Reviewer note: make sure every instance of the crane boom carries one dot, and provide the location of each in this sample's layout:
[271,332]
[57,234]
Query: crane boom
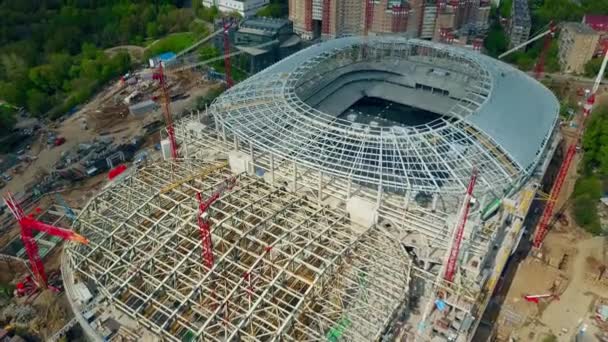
[543,225]
[28,225]
[526,43]
[464,213]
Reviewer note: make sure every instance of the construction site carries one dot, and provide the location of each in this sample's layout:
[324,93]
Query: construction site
[288,210]
[362,189]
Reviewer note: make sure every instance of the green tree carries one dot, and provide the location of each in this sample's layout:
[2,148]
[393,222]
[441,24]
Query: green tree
[13,93]
[505,8]
[7,119]
[37,101]
[496,42]
[593,67]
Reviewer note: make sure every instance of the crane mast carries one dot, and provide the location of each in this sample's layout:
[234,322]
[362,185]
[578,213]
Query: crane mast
[227,64]
[203,220]
[543,225]
[160,77]
[28,225]
[448,269]
[540,65]
[464,213]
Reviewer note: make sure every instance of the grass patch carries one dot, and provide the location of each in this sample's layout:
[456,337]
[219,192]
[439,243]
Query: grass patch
[174,42]
[587,193]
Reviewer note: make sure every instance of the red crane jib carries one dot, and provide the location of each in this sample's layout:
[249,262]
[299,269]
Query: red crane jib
[451,265]
[160,76]
[28,225]
[543,226]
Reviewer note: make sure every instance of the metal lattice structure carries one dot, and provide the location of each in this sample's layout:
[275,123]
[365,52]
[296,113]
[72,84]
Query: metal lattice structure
[483,124]
[310,268]
[292,261]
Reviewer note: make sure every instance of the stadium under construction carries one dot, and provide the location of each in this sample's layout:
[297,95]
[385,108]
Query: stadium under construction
[338,178]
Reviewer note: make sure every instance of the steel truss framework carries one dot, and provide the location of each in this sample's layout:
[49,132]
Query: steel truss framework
[268,111]
[286,267]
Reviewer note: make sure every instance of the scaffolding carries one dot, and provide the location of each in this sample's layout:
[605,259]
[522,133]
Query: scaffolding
[285,266]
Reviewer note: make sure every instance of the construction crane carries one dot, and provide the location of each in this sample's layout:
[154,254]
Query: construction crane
[204,224]
[543,225]
[227,65]
[540,64]
[448,269]
[462,221]
[160,77]
[28,225]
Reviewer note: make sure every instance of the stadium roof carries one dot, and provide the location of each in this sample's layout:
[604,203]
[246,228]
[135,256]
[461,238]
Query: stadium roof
[501,124]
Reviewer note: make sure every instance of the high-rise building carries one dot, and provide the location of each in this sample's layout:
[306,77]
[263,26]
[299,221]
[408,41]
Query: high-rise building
[519,27]
[427,19]
[335,18]
[577,43]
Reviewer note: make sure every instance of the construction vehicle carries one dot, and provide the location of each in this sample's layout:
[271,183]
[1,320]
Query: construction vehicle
[28,225]
[536,298]
[543,225]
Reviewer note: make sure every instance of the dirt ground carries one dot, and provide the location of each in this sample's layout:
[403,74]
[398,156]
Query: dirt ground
[576,294]
[569,266]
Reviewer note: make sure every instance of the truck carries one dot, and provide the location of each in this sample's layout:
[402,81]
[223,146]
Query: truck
[59,141]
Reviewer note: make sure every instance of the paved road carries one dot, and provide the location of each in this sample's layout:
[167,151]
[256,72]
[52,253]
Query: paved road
[567,77]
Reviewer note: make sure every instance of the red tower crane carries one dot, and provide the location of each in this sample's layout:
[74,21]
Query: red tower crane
[203,219]
[28,225]
[160,77]
[543,225]
[450,269]
[540,64]
[227,65]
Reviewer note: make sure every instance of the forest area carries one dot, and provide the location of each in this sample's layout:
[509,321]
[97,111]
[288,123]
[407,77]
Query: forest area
[592,183]
[542,12]
[51,51]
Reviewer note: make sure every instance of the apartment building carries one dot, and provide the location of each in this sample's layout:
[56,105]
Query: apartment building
[246,8]
[426,19]
[519,27]
[335,18]
[577,44]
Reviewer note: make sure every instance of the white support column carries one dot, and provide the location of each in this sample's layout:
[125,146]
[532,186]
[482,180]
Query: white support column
[295,176]
[272,169]
[252,158]
[320,185]
[349,187]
